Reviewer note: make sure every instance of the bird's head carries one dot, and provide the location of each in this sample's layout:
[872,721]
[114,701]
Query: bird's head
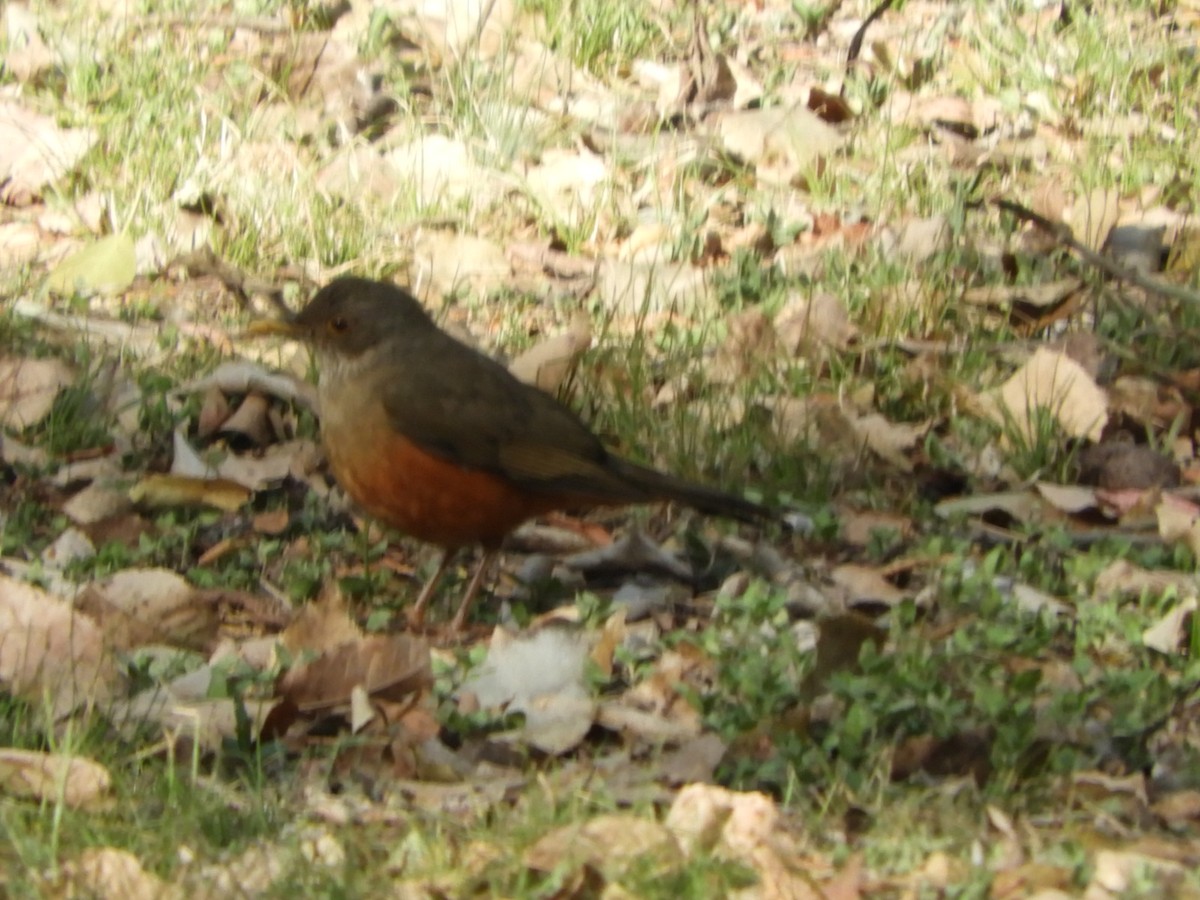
[350,316]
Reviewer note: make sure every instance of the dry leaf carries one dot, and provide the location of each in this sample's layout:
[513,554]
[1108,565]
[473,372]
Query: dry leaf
[106,873]
[1169,634]
[49,651]
[35,153]
[549,363]
[388,667]
[149,606]
[1055,383]
[609,844]
[28,389]
[782,143]
[806,323]
[46,777]
[166,491]
[542,676]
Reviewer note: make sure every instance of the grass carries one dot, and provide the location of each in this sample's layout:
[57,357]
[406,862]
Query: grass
[1016,704]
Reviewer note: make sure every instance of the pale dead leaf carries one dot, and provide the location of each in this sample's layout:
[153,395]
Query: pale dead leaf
[360,171]
[35,153]
[1024,506]
[448,262]
[49,651]
[609,844]
[447,28]
[31,774]
[806,323]
[917,239]
[1168,635]
[185,715]
[98,501]
[1178,808]
[627,287]
[1091,218]
[1044,295]
[696,760]
[1178,521]
[28,389]
[744,827]
[242,377]
[542,676]
[26,54]
[1069,498]
[1055,383]
[748,348]
[782,143]
[865,584]
[1118,871]
[1123,578]
[107,873]
[548,364]
[439,170]
[250,422]
[858,526]
[567,184]
[890,441]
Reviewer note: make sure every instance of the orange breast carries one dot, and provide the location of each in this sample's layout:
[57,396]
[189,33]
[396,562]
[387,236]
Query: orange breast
[427,497]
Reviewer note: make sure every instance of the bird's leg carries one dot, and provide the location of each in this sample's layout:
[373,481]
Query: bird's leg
[460,617]
[416,615]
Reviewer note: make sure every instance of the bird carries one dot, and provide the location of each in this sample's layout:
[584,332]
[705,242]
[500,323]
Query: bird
[441,442]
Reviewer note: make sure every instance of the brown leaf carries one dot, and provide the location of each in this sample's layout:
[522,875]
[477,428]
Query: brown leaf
[107,873]
[46,777]
[50,651]
[144,606]
[390,667]
[28,389]
[35,153]
[1055,383]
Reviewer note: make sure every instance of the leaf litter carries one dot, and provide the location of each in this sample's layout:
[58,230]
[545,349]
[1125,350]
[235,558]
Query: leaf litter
[597,215]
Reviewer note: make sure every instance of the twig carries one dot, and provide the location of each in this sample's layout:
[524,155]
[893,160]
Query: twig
[1062,233]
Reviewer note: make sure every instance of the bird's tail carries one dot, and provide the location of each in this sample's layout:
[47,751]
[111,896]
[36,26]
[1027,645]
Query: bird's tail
[713,501]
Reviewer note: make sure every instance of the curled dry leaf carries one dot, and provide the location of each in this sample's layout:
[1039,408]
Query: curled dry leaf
[28,389]
[46,777]
[167,491]
[1168,634]
[242,377]
[50,651]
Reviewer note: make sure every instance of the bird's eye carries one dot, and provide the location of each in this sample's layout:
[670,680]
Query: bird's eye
[338,324]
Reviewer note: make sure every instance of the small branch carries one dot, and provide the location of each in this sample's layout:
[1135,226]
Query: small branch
[1061,233]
